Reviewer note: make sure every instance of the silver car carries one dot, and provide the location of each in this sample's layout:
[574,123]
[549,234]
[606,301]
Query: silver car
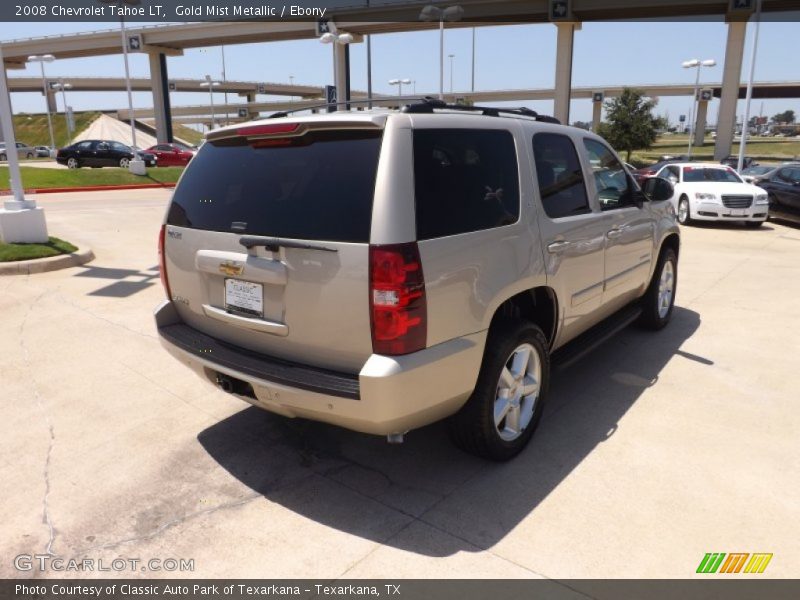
[23,151]
[384,270]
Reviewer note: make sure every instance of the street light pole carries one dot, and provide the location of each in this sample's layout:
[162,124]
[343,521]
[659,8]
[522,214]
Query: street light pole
[434,13]
[63,87]
[749,96]
[210,84]
[695,64]
[41,60]
[451,57]
[399,83]
[473,59]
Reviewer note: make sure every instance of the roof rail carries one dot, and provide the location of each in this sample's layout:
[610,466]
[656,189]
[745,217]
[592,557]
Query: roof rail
[426,104]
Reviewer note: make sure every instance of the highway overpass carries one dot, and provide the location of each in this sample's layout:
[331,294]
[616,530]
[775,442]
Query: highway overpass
[163,41]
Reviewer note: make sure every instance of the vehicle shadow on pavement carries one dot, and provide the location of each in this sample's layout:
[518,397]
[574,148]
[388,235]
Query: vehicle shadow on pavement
[426,496]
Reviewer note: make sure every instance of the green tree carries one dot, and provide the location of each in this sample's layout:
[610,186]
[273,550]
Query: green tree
[630,122]
[786,116]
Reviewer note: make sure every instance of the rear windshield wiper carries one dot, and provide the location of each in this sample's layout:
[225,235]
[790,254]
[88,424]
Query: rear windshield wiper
[273,244]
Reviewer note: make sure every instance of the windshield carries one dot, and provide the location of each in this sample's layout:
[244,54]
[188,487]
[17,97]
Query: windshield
[318,186]
[695,174]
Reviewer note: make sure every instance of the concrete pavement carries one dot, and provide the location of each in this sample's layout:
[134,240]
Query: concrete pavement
[653,450]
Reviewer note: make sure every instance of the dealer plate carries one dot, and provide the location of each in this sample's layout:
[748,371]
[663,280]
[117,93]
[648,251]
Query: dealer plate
[244,297]
[738,213]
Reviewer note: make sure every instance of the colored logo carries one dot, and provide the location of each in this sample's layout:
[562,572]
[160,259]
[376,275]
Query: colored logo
[735,562]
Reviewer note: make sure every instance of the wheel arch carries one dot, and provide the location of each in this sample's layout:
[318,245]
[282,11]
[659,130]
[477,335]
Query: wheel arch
[538,305]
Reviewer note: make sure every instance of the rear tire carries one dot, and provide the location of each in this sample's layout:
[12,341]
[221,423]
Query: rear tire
[684,211]
[515,361]
[659,299]
[29,156]
[3,158]
[124,163]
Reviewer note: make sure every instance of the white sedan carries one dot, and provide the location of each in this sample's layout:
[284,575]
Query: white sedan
[713,192]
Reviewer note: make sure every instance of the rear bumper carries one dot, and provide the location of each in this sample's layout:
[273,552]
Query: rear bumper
[391,394]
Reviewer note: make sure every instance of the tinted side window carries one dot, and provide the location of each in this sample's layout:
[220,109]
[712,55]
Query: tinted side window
[610,178]
[464,180]
[85,145]
[558,170]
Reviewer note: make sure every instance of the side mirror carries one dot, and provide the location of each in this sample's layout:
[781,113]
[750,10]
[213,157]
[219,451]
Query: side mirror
[657,189]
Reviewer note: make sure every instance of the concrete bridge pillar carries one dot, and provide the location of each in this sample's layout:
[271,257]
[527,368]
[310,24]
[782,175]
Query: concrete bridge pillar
[731,76]
[161,105]
[52,106]
[563,84]
[597,109]
[700,122]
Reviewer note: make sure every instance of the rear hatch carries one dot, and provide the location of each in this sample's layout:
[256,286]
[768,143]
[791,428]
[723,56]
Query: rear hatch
[267,239]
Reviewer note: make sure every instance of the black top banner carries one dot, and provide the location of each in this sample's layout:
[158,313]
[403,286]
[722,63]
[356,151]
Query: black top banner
[474,11]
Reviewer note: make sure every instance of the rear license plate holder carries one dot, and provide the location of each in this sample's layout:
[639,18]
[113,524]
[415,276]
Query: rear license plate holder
[244,297]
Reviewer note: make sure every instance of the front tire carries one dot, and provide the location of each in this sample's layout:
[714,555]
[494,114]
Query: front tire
[29,156]
[684,212]
[73,163]
[659,299]
[502,413]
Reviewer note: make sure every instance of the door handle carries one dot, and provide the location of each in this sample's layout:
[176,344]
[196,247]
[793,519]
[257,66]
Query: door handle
[613,233]
[556,247]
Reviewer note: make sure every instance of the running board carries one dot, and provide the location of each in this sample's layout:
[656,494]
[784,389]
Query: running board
[592,338]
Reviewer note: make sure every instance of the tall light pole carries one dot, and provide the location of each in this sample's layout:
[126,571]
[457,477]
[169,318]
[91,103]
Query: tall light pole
[338,42]
[63,87]
[210,84]
[451,57]
[41,59]
[748,97]
[399,83]
[473,59]
[434,13]
[136,165]
[695,64]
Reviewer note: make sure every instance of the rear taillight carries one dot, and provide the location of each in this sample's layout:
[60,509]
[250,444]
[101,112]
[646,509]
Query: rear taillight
[397,299]
[162,261]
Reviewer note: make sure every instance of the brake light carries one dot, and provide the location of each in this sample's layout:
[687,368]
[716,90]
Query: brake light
[162,261]
[397,299]
[268,129]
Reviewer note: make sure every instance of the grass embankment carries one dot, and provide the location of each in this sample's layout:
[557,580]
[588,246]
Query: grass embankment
[15,252]
[32,129]
[764,149]
[36,178]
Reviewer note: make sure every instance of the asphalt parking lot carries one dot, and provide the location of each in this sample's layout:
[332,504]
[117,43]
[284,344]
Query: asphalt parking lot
[654,450]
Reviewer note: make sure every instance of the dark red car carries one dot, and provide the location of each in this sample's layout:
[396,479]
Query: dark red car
[171,155]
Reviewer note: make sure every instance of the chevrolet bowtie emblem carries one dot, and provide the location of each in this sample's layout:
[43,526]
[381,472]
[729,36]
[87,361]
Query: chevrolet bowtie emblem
[231,268]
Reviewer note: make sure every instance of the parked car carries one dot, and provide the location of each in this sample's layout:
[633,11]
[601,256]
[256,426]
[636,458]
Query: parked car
[42,151]
[171,155]
[711,192]
[100,153]
[650,171]
[750,174]
[733,162]
[23,151]
[783,188]
[383,271]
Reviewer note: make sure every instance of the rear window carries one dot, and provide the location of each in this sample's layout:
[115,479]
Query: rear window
[319,187]
[464,180]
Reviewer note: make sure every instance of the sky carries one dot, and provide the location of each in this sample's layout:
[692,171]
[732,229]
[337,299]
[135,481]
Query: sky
[510,56]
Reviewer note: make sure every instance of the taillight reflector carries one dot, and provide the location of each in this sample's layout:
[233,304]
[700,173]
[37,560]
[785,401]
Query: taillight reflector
[397,299]
[162,261]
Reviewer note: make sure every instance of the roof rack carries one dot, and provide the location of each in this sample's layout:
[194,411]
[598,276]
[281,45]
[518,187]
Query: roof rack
[426,104]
